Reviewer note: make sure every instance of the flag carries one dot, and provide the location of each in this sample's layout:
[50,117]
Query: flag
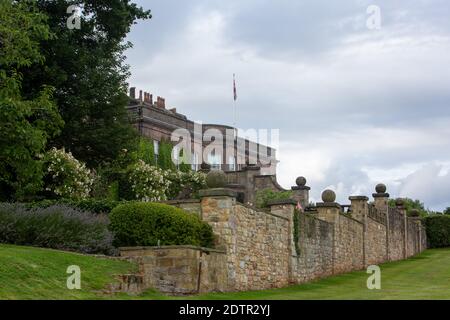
[234,87]
[299,206]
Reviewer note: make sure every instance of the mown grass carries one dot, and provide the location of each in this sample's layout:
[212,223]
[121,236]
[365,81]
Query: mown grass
[33,273]
[424,277]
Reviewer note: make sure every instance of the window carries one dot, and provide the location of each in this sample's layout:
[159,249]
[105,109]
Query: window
[231,163]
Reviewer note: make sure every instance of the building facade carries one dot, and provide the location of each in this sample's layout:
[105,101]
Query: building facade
[219,146]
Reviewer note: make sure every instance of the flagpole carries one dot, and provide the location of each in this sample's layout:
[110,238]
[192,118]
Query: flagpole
[235,104]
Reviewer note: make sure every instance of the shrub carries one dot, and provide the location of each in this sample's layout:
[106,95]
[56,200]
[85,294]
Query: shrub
[187,183]
[57,227]
[165,161]
[150,224]
[89,205]
[263,197]
[438,230]
[66,177]
[146,151]
[148,183]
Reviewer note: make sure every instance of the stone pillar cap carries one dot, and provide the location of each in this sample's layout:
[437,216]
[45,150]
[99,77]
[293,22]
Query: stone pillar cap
[282,202]
[328,205]
[217,192]
[381,195]
[300,188]
[356,198]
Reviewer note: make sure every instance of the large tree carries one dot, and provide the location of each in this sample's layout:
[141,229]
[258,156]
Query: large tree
[86,66]
[26,123]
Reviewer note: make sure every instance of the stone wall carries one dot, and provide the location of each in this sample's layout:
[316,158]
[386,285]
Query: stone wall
[413,241]
[249,181]
[396,235]
[193,206]
[255,249]
[180,270]
[348,245]
[315,246]
[256,243]
[375,242]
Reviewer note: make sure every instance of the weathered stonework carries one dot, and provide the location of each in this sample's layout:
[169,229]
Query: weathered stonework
[256,243]
[180,270]
[315,243]
[255,249]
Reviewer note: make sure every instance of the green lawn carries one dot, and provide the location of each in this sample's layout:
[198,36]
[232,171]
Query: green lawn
[33,273]
[30,273]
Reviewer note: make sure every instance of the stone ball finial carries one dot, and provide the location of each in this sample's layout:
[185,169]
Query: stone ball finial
[301,181]
[328,196]
[414,213]
[399,202]
[380,188]
[216,179]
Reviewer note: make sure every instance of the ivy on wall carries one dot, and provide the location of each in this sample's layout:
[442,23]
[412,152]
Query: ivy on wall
[296,230]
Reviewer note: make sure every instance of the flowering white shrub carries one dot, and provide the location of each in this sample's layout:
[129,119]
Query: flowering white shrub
[149,183]
[194,180]
[152,184]
[185,181]
[66,176]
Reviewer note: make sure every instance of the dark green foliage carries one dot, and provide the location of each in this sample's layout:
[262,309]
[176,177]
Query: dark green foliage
[146,151]
[56,227]
[114,179]
[263,197]
[89,205]
[447,211]
[410,205]
[28,121]
[165,156]
[150,224]
[438,230]
[87,69]
[185,162]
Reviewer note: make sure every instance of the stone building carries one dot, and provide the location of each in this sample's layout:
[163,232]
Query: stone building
[156,122]
[272,247]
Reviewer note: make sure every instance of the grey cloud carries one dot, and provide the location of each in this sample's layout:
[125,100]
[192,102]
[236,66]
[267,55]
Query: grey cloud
[312,70]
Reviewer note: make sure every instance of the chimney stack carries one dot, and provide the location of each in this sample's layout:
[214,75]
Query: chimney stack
[133,93]
[161,103]
[140,95]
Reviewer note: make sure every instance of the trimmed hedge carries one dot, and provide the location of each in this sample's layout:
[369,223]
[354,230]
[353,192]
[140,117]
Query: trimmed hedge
[438,231]
[152,224]
[56,227]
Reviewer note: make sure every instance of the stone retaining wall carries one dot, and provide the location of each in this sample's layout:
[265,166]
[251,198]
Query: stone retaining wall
[255,249]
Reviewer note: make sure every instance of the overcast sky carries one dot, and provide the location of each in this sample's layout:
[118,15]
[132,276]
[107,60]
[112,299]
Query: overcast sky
[355,106]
